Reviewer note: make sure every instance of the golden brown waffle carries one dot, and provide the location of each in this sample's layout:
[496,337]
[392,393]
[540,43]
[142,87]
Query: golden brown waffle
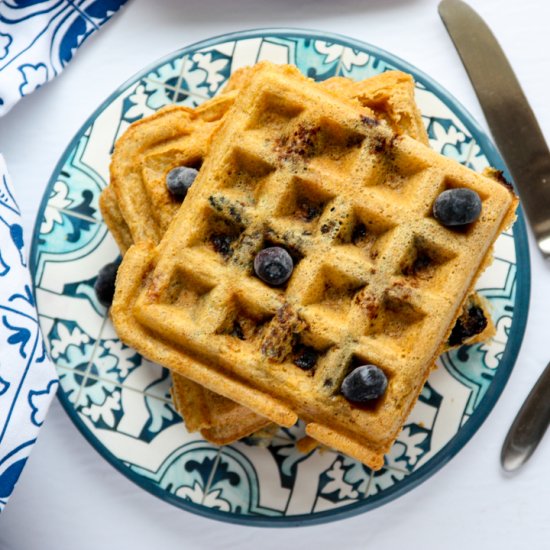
[294,165]
[390,94]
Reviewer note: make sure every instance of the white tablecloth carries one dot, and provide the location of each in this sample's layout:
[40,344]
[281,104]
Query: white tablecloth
[69,497]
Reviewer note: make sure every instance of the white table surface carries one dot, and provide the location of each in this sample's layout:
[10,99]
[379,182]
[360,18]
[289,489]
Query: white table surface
[69,497]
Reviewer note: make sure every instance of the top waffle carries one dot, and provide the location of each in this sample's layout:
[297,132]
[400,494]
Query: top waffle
[293,165]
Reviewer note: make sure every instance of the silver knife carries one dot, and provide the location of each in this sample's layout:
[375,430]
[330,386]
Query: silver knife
[525,152]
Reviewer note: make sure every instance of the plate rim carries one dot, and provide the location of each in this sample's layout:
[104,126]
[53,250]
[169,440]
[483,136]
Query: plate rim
[516,331]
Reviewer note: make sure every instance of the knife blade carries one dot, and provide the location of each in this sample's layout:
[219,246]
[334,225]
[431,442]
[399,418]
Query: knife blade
[510,118]
[525,152]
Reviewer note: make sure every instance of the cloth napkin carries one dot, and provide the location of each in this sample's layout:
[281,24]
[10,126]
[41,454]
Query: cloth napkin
[37,39]
[27,378]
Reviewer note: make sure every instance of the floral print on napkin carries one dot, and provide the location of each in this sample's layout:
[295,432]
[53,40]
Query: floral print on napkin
[39,37]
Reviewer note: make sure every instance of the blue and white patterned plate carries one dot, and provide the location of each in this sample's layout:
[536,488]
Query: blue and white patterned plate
[120,402]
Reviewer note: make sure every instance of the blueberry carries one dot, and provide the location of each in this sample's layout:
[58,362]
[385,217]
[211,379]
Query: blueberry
[306,357]
[458,206]
[179,180]
[273,265]
[222,244]
[468,325]
[105,283]
[364,384]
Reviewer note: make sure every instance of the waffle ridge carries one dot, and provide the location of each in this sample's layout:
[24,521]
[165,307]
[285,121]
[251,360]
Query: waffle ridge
[376,279]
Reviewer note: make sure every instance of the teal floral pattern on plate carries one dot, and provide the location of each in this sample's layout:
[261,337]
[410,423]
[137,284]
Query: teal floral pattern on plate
[121,402]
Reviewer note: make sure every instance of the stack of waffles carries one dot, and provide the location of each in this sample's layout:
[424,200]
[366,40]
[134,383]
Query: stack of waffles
[340,175]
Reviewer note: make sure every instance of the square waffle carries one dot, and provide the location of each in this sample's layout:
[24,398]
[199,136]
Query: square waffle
[293,165]
[390,95]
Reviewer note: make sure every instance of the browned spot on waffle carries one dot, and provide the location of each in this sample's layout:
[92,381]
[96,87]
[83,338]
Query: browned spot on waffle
[497,175]
[277,342]
[300,144]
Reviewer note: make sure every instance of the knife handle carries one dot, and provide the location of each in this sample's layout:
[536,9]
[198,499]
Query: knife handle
[529,425]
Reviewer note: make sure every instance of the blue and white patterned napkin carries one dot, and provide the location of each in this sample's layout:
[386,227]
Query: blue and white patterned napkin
[39,37]
[27,378]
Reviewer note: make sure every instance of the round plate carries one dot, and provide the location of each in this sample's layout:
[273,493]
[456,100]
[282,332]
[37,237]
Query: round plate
[121,402]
